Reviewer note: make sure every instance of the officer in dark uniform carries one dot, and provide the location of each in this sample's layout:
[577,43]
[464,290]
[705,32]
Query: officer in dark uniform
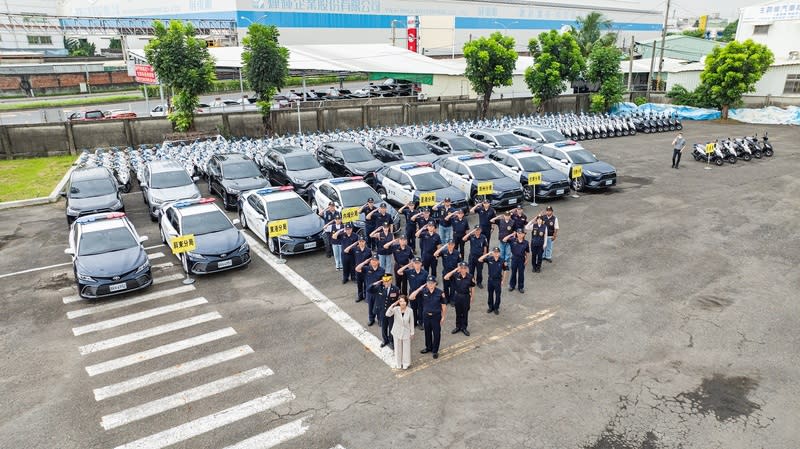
[505,227]
[478,246]
[519,217]
[485,213]
[463,294]
[382,236]
[538,242]
[408,211]
[429,242]
[328,217]
[520,248]
[443,211]
[385,294]
[348,239]
[369,221]
[373,272]
[450,259]
[498,268]
[460,225]
[361,254]
[379,217]
[416,276]
[434,309]
[402,254]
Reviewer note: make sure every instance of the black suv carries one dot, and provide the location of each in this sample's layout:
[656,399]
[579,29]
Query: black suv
[231,174]
[402,148]
[345,159]
[293,166]
[92,190]
[446,142]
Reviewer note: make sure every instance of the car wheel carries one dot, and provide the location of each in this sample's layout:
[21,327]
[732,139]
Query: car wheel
[272,246]
[527,193]
[225,204]
[382,193]
[242,220]
[577,184]
[153,218]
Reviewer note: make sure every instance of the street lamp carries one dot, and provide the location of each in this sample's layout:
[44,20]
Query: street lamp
[256,21]
[394,31]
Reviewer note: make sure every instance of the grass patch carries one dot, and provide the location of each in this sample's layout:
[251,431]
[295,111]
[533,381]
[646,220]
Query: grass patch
[70,102]
[21,179]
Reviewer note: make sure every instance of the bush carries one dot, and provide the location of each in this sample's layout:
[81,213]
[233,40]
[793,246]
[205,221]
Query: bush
[597,103]
[680,95]
[638,101]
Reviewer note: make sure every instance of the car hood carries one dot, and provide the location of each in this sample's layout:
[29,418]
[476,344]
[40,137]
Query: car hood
[502,184]
[450,192]
[423,158]
[599,167]
[551,175]
[310,175]
[176,193]
[93,203]
[243,184]
[305,225]
[364,167]
[111,264]
[226,241]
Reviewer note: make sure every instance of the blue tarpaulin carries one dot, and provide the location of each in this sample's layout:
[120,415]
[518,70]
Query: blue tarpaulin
[683,112]
[770,115]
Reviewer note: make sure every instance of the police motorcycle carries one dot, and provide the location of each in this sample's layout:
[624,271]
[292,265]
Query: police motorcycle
[766,147]
[752,144]
[731,156]
[743,149]
[699,154]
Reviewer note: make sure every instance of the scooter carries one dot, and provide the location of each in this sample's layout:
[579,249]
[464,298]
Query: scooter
[699,154]
[752,143]
[728,151]
[766,147]
[743,149]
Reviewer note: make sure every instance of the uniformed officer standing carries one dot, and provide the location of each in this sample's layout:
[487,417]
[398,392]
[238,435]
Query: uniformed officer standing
[402,254]
[416,276]
[385,295]
[520,248]
[497,268]
[382,236]
[463,294]
[485,213]
[421,219]
[460,225]
[336,245]
[434,311]
[478,246]
[378,217]
[538,241]
[450,259]
[443,211]
[519,217]
[552,232]
[505,227]
[347,239]
[361,254]
[327,216]
[373,272]
[410,230]
[369,221]
[429,242]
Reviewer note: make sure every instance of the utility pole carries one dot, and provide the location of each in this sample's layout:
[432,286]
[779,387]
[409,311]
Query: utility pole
[663,40]
[650,73]
[394,32]
[630,64]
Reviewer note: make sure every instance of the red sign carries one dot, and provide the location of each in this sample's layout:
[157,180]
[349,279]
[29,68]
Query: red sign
[411,30]
[145,74]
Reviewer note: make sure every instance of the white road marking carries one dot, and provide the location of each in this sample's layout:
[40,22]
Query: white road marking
[147,333]
[338,446]
[113,305]
[155,255]
[169,373]
[162,265]
[325,304]
[128,360]
[183,398]
[119,321]
[156,281]
[208,423]
[274,437]
[154,246]
[31,270]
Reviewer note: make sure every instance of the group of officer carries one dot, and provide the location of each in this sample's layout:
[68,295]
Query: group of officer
[386,267]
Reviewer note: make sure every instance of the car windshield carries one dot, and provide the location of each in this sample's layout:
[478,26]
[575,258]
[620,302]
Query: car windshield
[205,223]
[582,157]
[288,208]
[507,140]
[357,196]
[92,187]
[169,179]
[241,170]
[429,181]
[553,136]
[482,172]
[461,144]
[415,149]
[534,163]
[357,154]
[302,162]
[106,241]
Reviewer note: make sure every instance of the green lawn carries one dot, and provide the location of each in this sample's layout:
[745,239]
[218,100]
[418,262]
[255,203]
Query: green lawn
[31,178]
[66,102]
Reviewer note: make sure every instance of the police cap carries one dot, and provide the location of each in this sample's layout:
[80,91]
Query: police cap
[416,259]
[462,264]
[432,279]
[549,208]
[495,250]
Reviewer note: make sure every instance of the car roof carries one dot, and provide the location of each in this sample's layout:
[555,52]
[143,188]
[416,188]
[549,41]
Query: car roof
[445,134]
[401,139]
[282,195]
[415,170]
[195,209]
[471,162]
[348,185]
[566,148]
[491,131]
[164,165]
[83,174]
[535,128]
[288,150]
[343,145]
[231,157]
[101,225]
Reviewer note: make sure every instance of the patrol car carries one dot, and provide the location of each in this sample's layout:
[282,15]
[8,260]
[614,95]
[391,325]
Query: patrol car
[563,156]
[107,255]
[535,135]
[403,182]
[220,245]
[468,171]
[518,163]
[346,193]
[258,207]
[491,139]
[90,191]
[402,148]
[164,181]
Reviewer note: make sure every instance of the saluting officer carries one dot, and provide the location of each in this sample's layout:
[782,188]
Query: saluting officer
[416,276]
[519,258]
[429,242]
[373,272]
[463,294]
[379,216]
[478,246]
[505,227]
[450,259]
[336,245]
[327,216]
[347,239]
[382,236]
[497,268]
[410,210]
[443,211]
[460,225]
[402,254]
[369,221]
[552,231]
[434,311]
[485,213]
[519,217]
[538,242]
[361,254]
[385,295]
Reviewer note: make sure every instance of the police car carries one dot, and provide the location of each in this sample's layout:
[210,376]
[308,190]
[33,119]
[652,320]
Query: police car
[563,156]
[518,163]
[403,182]
[107,255]
[489,139]
[468,172]
[220,245]
[258,207]
[347,193]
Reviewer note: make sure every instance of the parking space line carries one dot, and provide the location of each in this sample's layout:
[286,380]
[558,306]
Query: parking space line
[183,398]
[156,281]
[153,247]
[274,437]
[162,265]
[119,321]
[169,373]
[338,446]
[157,255]
[129,302]
[338,315]
[149,354]
[208,423]
[31,270]
[147,333]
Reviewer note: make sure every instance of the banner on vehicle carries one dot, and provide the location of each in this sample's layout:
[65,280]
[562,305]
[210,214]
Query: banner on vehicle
[349,214]
[534,179]
[485,188]
[427,199]
[278,228]
[182,244]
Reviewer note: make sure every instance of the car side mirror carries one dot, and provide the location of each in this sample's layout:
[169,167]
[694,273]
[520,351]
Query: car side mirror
[492,144]
[407,187]
[465,177]
[143,238]
[69,251]
[195,178]
[63,194]
[564,161]
[540,140]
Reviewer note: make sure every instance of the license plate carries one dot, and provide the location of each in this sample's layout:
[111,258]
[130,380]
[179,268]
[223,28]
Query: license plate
[117,287]
[309,245]
[560,192]
[512,201]
[609,182]
[225,263]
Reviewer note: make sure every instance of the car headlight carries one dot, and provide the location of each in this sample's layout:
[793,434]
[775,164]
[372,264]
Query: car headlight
[144,267]
[285,238]
[590,173]
[232,190]
[244,247]
[195,255]
[117,205]
[86,278]
[301,182]
[156,201]
[71,211]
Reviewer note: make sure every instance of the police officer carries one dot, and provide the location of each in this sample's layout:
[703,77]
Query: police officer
[478,246]
[463,294]
[402,254]
[434,311]
[429,242]
[552,232]
[382,236]
[361,254]
[460,225]
[327,216]
[416,276]
[385,294]
[373,272]
[485,213]
[497,268]
[378,216]
[538,241]
[519,217]
[409,210]
[336,245]
[443,211]
[505,227]
[348,239]
[450,259]
[520,248]
[369,221]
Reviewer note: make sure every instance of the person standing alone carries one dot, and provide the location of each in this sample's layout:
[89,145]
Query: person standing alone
[677,148]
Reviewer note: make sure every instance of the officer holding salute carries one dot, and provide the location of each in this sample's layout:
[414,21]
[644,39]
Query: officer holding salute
[460,225]
[434,310]
[463,294]
[369,222]
[478,246]
[410,210]
[519,217]
[373,272]
[519,258]
[382,236]
[505,227]
[429,242]
[327,216]
[402,254]
[416,279]
[538,241]
[379,217]
[485,213]
[497,276]
[450,259]
[443,211]
[361,254]
[348,239]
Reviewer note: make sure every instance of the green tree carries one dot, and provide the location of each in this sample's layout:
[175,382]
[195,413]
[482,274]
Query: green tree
[604,69]
[79,47]
[557,59]
[266,65]
[183,64]
[589,32]
[729,33]
[733,70]
[490,63]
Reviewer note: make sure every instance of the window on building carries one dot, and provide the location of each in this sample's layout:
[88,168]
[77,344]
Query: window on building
[40,40]
[760,29]
[792,84]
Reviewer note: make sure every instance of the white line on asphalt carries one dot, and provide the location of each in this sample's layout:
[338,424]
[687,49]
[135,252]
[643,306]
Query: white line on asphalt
[157,255]
[128,360]
[208,423]
[325,304]
[154,246]
[156,280]
[162,265]
[119,321]
[183,398]
[170,373]
[129,302]
[274,437]
[31,270]
[338,446]
[147,333]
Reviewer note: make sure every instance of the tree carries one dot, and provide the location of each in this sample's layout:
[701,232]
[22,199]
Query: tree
[729,33]
[266,65]
[490,63]
[732,71]
[557,59]
[589,32]
[79,47]
[182,63]
[604,69]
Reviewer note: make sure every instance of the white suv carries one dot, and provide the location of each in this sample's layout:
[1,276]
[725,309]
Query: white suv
[466,172]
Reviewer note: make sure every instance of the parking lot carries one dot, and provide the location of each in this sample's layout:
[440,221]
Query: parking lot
[667,320]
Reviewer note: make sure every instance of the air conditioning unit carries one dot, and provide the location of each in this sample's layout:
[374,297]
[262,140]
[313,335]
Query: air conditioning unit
[794,55]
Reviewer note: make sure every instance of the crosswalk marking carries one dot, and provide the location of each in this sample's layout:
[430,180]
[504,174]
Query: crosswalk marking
[155,255]
[129,302]
[184,397]
[128,360]
[274,437]
[207,423]
[159,266]
[147,333]
[119,321]
[156,281]
[169,373]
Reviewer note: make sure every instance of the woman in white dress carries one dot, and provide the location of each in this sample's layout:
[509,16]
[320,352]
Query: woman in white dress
[402,330]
